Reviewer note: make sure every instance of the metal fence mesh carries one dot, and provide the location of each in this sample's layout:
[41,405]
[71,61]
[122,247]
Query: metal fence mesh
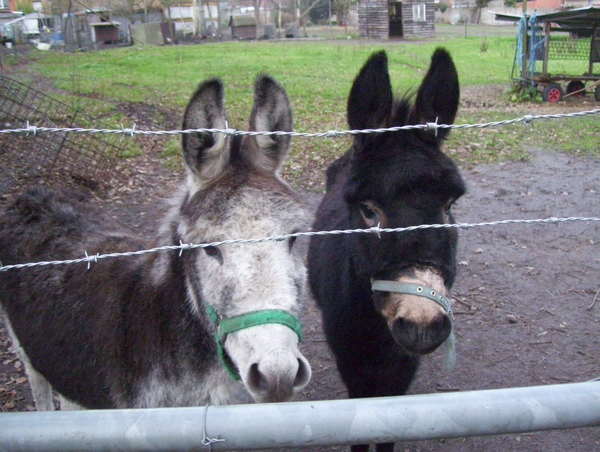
[569,48]
[62,157]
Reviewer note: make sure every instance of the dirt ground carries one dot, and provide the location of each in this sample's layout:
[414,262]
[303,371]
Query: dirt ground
[526,299]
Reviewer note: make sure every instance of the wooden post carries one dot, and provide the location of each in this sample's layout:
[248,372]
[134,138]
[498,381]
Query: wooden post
[546,48]
[594,39]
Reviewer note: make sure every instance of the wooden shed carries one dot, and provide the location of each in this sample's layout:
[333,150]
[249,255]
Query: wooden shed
[384,19]
[243,27]
[105,33]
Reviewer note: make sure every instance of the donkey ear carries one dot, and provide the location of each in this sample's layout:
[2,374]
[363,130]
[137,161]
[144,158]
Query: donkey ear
[271,113]
[206,154]
[370,99]
[438,96]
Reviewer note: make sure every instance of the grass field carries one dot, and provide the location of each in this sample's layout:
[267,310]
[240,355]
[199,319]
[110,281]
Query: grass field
[317,75]
[314,72]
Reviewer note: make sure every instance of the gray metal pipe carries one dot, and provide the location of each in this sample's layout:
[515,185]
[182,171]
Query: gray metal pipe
[307,424]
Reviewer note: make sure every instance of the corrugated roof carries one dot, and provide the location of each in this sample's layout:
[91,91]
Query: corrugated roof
[586,16]
[579,16]
[28,17]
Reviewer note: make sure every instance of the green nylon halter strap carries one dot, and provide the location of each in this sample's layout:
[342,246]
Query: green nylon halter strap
[412,289]
[256,318]
[248,320]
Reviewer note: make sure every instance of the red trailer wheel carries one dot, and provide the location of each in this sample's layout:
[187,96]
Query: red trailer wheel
[552,93]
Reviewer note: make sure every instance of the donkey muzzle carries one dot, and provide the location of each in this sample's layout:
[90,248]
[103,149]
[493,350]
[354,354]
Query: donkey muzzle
[416,324]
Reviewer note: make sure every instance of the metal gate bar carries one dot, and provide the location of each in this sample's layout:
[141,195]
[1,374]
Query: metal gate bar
[307,424]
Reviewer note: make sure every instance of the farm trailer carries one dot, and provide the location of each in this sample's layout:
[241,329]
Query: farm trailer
[571,35]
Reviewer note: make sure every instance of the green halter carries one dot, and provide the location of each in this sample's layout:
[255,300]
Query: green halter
[243,321]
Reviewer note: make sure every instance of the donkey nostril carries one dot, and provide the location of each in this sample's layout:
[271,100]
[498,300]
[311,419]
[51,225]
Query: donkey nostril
[303,374]
[280,385]
[257,380]
[403,331]
[421,339]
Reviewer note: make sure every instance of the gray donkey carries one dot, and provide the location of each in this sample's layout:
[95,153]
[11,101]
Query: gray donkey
[167,328]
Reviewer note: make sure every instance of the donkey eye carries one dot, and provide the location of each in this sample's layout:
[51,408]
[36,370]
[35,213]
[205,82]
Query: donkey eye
[291,242]
[214,252]
[371,213]
[367,212]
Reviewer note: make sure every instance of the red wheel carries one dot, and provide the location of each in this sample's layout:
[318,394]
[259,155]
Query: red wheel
[552,93]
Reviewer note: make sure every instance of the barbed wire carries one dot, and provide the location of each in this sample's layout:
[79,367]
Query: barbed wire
[374,230]
[32,130]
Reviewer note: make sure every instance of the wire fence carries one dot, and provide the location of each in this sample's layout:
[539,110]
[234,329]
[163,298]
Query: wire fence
[375,230]
[86,159]
[32,130]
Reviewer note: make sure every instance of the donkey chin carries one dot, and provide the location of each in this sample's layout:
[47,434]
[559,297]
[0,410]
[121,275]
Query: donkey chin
[269,362]
[418,325]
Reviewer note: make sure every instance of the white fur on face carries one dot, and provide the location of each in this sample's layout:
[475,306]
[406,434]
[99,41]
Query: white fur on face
[252,277]
[271,366]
